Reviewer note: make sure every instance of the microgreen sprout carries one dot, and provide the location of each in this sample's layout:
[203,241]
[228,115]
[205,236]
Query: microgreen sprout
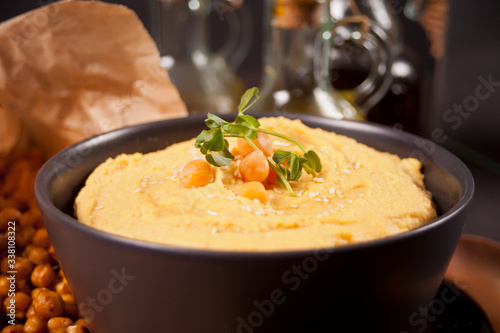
[287,165]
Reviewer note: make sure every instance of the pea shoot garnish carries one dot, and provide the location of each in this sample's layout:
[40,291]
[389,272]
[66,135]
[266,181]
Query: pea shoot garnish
[287,165]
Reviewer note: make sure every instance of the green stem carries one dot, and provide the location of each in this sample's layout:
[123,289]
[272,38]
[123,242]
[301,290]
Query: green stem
[281,136]
[281,177]
[250,142]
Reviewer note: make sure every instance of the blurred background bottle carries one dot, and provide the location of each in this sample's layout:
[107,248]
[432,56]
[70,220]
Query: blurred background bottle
[296,77]
[350,65]
[205,79]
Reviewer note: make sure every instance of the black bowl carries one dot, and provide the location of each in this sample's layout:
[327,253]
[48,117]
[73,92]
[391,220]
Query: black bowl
[124,285]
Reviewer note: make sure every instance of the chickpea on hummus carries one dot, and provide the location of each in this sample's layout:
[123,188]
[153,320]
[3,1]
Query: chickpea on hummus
[360,194]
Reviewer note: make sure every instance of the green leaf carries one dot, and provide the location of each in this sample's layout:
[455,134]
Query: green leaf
[214,140]
[313,160]
[246,98]
[218,160]
[238,130]
[281,156]
[247,120]
[201,138]
[295,167]
[213,121]
[225,152]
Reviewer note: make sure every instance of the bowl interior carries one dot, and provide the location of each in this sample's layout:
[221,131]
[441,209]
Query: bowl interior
[62,177]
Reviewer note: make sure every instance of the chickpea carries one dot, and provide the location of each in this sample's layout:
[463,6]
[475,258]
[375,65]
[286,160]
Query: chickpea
[35,292]
[22,265]
[69,305]
[77,329]
[39,255]
[4,286]
[35,324]
[196,173]
[48,304]
[22,302]
[24,286]
[254,190]
[31,218]
[7,215]
[4,242]
[262,142]
[254,167]
[272,178]
[18,328]
[58,322]
[41,238]
[63,287]
[24,236]
[83,323]
[31,311]
[43,276]
[52,253]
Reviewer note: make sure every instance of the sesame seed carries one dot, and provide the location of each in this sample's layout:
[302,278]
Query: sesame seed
[294,206]
[361,195]
[98,207]
[260,212]
[340,205]
[323,148]
[137,190]
[318,180]
[247,208]
[214,230]
[299,193]
[230,197]
[326,201]
[271,196]
[346,171]
[357,165]
[212,212]
[331,190]
[349,200]
[256,201]
[209,196]
[276,190]
[279,143]
[153,183]
[340,196]
[312,194]
[280,211]
[317,199]
[339,192]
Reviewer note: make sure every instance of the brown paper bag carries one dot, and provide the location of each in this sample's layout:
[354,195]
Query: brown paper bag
[77,68]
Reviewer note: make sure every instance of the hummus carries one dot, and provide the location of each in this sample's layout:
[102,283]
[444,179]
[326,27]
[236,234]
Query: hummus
[361,194]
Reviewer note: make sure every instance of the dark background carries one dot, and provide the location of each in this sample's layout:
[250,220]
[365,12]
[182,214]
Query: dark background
[472,50]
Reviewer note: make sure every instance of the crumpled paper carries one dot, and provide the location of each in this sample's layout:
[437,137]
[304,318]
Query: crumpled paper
[74,69]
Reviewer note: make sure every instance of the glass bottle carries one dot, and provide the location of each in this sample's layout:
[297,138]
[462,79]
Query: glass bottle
[401,100]
[204,79]
[295,74]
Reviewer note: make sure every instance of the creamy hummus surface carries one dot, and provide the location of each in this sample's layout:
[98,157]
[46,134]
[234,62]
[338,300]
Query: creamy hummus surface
[361,194]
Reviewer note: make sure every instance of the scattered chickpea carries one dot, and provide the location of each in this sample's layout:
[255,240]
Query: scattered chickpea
[43,275]
[18,328]
[8,214]
[35,324]
[48,304]
[39,255]
[24,236]
[69,305]
[41,238]
[38,274]
[58,322]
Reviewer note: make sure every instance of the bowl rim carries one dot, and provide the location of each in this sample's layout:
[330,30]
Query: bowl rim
[44,175]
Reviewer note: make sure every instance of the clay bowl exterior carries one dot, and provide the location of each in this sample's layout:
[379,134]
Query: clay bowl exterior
[123,285]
